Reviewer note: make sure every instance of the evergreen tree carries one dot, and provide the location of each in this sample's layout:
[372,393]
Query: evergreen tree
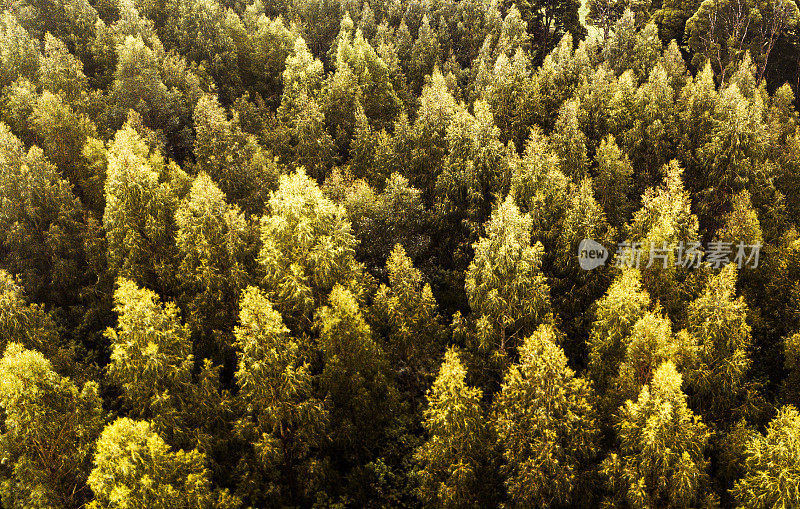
[233,159]
[454,464]
[134,467]
[307,249]
[151,357]
[545,425]
[218,247]
[286,421]
[49,428]
[361,397]
[718,321]
[415,331]
[141,195]
[661,459]
[504,284]
[770,478]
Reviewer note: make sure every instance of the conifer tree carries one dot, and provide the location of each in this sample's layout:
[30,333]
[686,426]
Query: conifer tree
[718,321]
[307,248]
[218,247]
[415,332]
[356,381]
[49,428]
[134,467]
[454,464]
[771,478]
[151,356]
[545,425]
[504,283]
[139,218]
[285,420]
[233,159]
[661,459]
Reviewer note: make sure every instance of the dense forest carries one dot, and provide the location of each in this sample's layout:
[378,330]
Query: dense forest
[333,253]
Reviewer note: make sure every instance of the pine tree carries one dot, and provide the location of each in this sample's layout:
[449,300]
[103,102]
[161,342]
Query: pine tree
[454,464]
[134,467]
[718,321]
[21,59]
[42,226]
[151,356]
[49,428]
[218,247]
[233,159]
[361,398]
[307,248]
[29,325]
[504,283]
[415,331]
[661,459]
[139,218]
[285,420]
[770,478]
[614,171]
[569,142]
[545,425]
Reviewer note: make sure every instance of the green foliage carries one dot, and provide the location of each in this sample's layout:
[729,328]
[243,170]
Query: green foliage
[49,429]
[134,467]
[504,283]
[545,425]
[151,357]
[717,321]
[20,59]
[251,222]
[232,158]
[361,398]
[285,419]
[307,248]
[139,218]
[218,247]
[623,305]
[770,478]
[415,331]
[661,459]
[454,464]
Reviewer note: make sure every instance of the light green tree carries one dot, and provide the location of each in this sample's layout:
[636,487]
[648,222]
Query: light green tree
[613,181]
[718,322]
[307,248]
[139,217]
[771,464]
[454,464]
[623,305]
[233,159]
[42,227]
[49,428]
[661,460]
[151,356]
[415,332]
[545,425]
[218,247]
[134,467]
[504,283]
[285,420]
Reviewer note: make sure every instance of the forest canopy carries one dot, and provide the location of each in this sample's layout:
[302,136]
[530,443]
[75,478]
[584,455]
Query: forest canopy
[426,253]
